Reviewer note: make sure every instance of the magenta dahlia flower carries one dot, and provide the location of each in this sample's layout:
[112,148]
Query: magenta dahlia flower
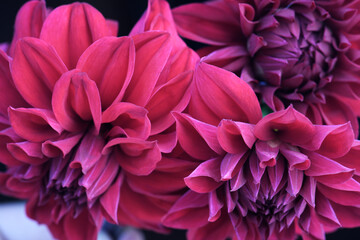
[299,52]
[86,118]
[262,178]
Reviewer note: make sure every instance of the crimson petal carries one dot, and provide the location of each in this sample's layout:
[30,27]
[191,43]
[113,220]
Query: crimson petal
[73,28]
[35,69]
[34,124]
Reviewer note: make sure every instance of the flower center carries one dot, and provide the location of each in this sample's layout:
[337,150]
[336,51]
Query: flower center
[298,52]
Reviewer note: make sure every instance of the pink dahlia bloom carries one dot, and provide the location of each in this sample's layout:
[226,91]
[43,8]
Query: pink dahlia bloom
[262,178]
[299,52]
[85,118]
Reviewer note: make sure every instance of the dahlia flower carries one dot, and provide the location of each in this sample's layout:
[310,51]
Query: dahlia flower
[299,52]
[262,178]
[86,117]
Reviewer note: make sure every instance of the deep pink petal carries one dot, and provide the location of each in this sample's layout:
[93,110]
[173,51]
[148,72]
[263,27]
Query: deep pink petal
[295,181]
[34,124]
[206,177]
[330,146]
[324,208]
[88,153]
[226,95]
[152,52]
[136,156]
[110,199]
[35,69]
[190,211]
[346,215]
[285,125]
[73,28]
[172,96]
[28,22]
[76,99]
[9,96]
[113,26]
[149,214]
[267,153]
[27,152]
[231,164]
[8,136]
[197,138]
[350,159]
[132,119]
[60,146]
[207,24]
[235,137]
[326,170]
[110,63]
[105,179]
[295,158]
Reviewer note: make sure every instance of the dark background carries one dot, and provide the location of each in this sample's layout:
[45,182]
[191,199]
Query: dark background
[127,12]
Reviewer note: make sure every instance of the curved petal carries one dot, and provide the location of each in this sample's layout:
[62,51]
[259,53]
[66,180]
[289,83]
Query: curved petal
[235,137]
[60,146]
[76,99]
[330,146]
[132,119]
[35,69]
[153,49]
[198,139]
[134,155]
[88,152]
[206,177]
[226,95]
[110,199]
[172,96]
[325,170]
[33,124]
[287,125]
[8,136]
[9,96]
[110,63]
[208,24]
[190,211]
[27,152]
[29,21]
[73,28]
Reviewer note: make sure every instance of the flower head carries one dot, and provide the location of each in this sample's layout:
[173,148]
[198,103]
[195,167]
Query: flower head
[298,52]
[86,117]
[262,178]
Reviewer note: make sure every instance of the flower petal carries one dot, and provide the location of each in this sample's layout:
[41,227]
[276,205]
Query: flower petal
[134,155]
[325,170]
[34,124]
[206,177]
[35,69]
[9,96]
[27,152]
[60,146]
[132,119]
[172,96]
[152,52]
[208,24]
[29,21]
[72,28]
[190,211]
[198,139]
[225,95]
[110,63]
[76,99]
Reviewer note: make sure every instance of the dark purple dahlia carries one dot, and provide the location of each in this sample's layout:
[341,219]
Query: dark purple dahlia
[261,178]
[299,52]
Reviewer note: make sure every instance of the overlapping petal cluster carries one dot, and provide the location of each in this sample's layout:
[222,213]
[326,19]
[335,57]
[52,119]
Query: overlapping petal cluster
[299,52]
[269,178]
[138,130]
[86,116]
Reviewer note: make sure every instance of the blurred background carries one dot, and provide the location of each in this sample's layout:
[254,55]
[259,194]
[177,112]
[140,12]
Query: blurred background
[126,13]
